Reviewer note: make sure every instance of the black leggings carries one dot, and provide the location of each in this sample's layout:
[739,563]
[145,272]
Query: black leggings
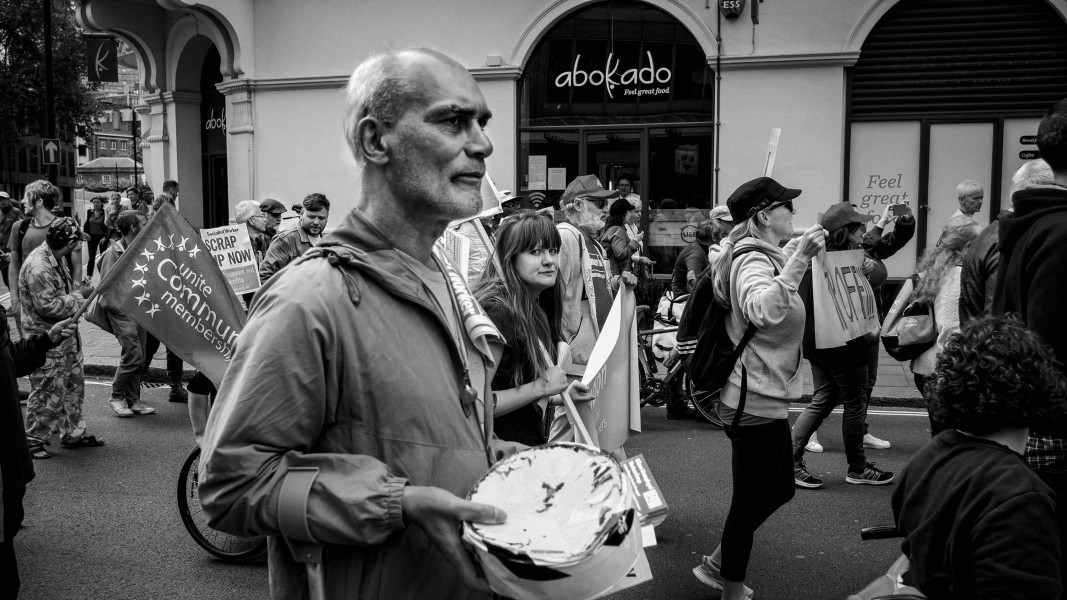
[762,464]
[94,245]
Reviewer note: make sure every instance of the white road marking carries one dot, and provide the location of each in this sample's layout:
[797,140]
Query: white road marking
[890,412]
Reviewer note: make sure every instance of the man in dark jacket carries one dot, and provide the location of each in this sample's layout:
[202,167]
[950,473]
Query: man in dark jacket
[289,245]
[17,359]
[1030,281]
[978,280]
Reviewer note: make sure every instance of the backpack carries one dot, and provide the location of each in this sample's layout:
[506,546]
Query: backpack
[702,334]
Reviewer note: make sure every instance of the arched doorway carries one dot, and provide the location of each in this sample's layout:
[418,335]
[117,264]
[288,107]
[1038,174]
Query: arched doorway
[213,142]
[621,87]
[944,91]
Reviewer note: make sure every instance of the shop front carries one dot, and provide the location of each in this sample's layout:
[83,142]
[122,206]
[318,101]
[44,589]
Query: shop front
[622,90]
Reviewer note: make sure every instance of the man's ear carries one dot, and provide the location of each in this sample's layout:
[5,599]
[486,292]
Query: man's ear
[371,137]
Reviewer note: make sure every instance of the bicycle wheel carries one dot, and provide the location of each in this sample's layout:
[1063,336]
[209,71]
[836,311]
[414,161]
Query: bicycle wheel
[229,548]
[704,402]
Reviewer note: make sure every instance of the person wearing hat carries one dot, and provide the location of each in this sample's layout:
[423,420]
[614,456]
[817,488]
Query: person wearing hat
[49,295]
[759,282]
[839,374]
[584,273]
[877,245]
[273,210]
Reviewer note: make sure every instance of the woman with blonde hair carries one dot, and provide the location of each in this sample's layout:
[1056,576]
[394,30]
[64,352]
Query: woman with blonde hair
[939,285]
[758,282]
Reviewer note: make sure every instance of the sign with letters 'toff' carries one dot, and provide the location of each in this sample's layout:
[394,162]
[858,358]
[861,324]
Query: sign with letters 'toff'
[844,302]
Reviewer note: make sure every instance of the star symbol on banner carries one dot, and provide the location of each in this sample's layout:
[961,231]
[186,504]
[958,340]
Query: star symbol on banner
[137,283]
[159,242]
[194,251]
[140,268]
[143,298]
[152,311]
[182,245]
[148,255]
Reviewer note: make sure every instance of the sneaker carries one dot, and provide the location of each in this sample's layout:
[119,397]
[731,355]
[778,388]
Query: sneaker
[141,409]
[813,444]
[869,441]
[707,572]
[178,395]
[120,408]
[869,476]
[803,479]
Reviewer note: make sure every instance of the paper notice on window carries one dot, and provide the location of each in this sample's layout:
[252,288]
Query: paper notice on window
[538,172]
[557,178]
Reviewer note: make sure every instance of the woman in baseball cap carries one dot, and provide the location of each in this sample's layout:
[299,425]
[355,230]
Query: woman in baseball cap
[840,375]
[759,281]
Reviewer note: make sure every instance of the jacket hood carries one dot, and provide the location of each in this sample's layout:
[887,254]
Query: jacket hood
[1032,204]
[360,245]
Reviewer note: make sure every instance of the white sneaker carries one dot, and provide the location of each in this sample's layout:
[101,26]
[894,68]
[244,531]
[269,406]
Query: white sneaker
[813,444]
[141,409]
[869,441]
[120,408]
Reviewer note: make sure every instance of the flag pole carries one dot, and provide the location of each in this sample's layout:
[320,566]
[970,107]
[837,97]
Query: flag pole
[84,307]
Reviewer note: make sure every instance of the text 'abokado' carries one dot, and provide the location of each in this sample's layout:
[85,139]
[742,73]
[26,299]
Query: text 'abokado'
[609,77]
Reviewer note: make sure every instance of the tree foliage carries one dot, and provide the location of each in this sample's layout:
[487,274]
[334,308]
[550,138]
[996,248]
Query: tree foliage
[22,73]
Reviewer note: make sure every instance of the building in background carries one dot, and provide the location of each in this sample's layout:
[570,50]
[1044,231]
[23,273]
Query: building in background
[878,101]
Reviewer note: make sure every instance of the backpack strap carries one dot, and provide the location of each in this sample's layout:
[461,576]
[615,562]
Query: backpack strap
[24,226]
[745,339]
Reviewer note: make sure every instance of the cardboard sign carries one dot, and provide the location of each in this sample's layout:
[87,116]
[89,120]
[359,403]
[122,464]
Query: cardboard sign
[651,506]
[232,249]
[844,301]
[611,375]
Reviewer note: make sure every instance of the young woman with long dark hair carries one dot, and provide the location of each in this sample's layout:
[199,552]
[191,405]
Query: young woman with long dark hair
[523,297]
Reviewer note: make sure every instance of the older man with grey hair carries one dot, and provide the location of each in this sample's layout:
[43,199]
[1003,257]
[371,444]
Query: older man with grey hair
[978,279]
[353,414]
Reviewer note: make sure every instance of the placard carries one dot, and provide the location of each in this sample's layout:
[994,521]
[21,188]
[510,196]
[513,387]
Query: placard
[232,249]
[651,506]
[844,302]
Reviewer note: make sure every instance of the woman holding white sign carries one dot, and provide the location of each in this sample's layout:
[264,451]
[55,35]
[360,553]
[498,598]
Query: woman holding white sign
[839,374]
[524,298]
[759,281]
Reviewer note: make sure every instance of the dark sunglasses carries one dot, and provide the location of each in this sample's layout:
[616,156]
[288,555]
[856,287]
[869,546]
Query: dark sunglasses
[788,204]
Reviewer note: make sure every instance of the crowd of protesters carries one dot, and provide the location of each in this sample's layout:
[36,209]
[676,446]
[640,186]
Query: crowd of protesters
[980,507]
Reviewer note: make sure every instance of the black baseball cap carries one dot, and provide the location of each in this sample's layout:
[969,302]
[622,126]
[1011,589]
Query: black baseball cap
[756,195]
[842,214]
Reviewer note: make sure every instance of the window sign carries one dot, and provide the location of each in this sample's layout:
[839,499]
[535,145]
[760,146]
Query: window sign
[1019,136]
[884,170]
[538,172]
[557,178]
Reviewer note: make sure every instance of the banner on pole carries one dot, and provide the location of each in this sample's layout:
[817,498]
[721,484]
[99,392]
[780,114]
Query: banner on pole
[232,248]
[457,250]
[844,301]
[612,377]
[172,286]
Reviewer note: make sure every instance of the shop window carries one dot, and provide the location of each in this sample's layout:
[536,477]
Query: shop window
[122,145]
[550,160]
[105,179]
[114,145]
[103,144]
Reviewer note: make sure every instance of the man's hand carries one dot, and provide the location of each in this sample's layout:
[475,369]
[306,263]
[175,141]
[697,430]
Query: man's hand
[438,513]
[86,290]
[62,330]
[672,358]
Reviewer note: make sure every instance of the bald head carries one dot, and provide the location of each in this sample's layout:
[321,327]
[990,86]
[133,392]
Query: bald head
[387,85]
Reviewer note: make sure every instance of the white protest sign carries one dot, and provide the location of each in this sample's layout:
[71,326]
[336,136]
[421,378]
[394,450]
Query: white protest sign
[457,250]
[232,249]
[844,302]
[772,152]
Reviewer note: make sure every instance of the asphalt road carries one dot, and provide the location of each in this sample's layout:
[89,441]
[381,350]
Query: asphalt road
[102,523]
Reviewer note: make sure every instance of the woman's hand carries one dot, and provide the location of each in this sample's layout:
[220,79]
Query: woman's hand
[579,392]
[812,242]
[553,381]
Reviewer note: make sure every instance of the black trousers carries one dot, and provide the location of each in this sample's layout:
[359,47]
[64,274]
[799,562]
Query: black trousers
[762,465]
[13,514]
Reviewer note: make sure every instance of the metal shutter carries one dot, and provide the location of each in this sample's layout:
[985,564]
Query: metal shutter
[961,58]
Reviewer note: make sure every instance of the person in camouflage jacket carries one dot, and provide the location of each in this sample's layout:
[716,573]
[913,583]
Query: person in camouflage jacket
[57,389]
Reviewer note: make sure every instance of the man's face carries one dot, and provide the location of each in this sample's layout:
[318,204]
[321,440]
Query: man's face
[625,187]
[141,222]
[971,203]
[591,214]
[5,205]
[272,220]
[438,146]
[314,221]
[258,222]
